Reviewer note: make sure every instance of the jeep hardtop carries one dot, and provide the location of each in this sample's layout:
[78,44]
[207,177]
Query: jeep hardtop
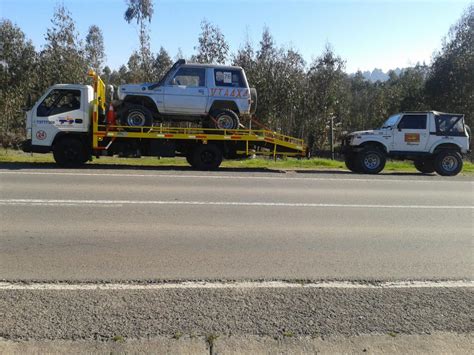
[435,141]
[213,95]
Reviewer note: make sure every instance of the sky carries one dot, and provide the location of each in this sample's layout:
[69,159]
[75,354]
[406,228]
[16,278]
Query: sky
[367,34]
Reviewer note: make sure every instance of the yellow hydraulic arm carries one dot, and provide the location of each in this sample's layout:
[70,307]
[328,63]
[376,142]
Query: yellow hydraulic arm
[98,105]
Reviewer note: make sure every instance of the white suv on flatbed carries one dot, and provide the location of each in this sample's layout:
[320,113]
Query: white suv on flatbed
[435,141]
[212,95]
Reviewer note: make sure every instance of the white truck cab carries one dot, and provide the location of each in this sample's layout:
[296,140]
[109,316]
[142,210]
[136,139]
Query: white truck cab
[435,141]
[63,109]
[214,95]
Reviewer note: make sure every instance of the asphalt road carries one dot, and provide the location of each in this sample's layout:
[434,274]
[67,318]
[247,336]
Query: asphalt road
[93,224]
[64,234]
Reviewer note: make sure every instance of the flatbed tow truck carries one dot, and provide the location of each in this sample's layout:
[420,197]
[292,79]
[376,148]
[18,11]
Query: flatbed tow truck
[72,121]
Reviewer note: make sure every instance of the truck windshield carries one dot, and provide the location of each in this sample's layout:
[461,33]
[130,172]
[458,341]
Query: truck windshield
[391,121]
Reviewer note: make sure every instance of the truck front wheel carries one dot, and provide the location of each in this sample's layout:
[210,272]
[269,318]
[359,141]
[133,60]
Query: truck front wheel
[352,163]
[448,163]
[424,166]
[206,157]
[69,152]
[371,160]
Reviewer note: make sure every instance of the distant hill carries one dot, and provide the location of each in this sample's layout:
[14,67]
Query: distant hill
[378,74]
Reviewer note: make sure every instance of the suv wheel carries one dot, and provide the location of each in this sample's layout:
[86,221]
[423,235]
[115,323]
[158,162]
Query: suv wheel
[69,153]
[226,119]
[448,163]
[206,157]
[136,116]
[371,160]
[425,166]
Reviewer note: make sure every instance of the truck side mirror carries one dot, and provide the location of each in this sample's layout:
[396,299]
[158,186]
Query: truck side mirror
[28,103]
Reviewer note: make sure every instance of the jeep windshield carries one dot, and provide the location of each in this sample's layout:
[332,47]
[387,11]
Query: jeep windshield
[167,74]
[391,121]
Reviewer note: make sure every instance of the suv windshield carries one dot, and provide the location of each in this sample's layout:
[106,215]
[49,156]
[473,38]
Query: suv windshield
[391,121]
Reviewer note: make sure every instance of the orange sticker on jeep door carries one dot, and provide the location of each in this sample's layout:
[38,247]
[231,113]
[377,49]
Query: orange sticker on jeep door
[412,137]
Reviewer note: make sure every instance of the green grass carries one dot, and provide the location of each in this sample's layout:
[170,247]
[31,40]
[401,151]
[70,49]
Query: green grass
[13,156]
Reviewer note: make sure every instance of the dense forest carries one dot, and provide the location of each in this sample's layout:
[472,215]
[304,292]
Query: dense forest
[295,97]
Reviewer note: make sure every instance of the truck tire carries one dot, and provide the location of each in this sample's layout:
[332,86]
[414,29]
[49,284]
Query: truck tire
[69,152]
[225,119]
[189,158]
[352,163]
[371,160]
[206,157]
[448,163]
[425,166]
[133,115]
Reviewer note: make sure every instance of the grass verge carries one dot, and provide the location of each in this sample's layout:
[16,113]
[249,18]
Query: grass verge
[13,156]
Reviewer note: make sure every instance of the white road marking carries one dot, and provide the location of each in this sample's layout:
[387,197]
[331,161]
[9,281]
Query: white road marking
[47,202]
[236,177]
[234,285]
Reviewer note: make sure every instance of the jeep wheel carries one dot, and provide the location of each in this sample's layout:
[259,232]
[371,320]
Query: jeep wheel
[226,119]
[206,157]
[136,116]
[425,166]
[352,163]
[371,160]
[448,163]
[69,152]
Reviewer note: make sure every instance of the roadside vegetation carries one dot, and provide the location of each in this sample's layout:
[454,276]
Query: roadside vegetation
[14,156]
[295,97]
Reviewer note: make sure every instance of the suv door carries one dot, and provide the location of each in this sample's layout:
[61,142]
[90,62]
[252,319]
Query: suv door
[411,133]
[186,92]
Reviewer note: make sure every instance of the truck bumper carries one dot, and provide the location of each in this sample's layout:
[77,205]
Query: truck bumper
[27,147]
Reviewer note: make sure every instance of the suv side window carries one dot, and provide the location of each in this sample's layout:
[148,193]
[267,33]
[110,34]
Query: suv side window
[192,77]
[59,101]
[229,78]
[412,122]
[449,125]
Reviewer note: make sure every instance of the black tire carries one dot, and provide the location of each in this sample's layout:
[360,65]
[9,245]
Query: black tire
[225,119]
[425,166]
[253,98]
[189,158]
[69,152]
[448,163]
[136,116]
[352,163]
[371,160]
[206,157]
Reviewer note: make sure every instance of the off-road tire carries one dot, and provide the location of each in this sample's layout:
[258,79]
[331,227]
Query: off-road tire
[69,152]
[371,160]
[206,157]
[225,119]
[448,163]
[425,166]
[133,115]
[254,100]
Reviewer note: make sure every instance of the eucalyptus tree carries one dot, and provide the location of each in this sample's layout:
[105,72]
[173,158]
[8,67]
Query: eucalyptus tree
[141,11]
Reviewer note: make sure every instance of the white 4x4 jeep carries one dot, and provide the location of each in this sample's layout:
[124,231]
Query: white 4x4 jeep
[435,141]
[212,95]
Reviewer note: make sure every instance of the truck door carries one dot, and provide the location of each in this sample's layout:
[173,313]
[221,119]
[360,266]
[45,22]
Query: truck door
[186,93]
[60,110]
[411,133]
